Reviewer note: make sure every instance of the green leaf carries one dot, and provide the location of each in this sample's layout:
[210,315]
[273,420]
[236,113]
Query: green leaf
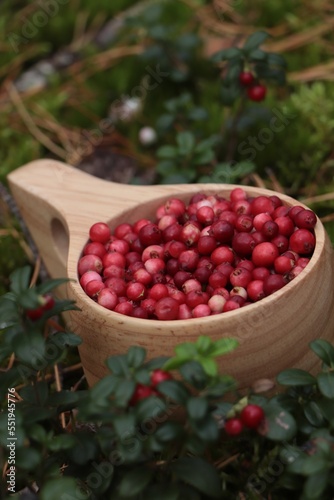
[136,356]
[186,350]
[186,142]
[223,346]
[314,464]
[50,285]
[198,114]
[164,122]
[30,348]
[124,391]
[168,152]
[204,158]
[174,390]
[124,425]
[166,167]
[56,489]
[327,408]
[162,491]
[135,481]
[315,485]
[28,458]
[326,384]
[229,93]
[258,55]
[197,407]
[209,366]
[274,59]
[199,474]
[62,442]
[324,350]
[295,376]
[151,408]
[193,373]
[64,339]
[20,279]
[169,431]
[313,414]
[84,450]
[232,75]
[203,344]
[63,398]
[118,365]
[175,363]
[280,424]
[227,54]
[255,40]
[206,429]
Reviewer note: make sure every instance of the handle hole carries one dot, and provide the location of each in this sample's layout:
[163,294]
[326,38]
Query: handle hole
[60,239]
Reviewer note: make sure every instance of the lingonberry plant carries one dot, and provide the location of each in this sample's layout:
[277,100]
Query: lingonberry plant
[161,428]
[239,248]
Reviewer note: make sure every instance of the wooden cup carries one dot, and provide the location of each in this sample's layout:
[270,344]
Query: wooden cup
[59,204]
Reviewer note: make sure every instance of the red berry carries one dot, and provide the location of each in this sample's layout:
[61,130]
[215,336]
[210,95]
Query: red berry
[158,376]
[150,234]
[251,416]
[141,392]
[167,309]
[100,232]
[257,93]
[264,254]
[305,219]
[302,241]
[35,314]
[233,426]
[246,78]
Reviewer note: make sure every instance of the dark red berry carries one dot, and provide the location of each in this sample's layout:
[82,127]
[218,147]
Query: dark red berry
[246,78]
[233,426]
[141,392]
[257,93]
[251,416]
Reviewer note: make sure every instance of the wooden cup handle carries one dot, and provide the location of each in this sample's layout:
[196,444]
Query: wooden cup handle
[59,203]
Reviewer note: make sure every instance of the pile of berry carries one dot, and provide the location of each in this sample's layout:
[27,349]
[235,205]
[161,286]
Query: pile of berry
[212,256]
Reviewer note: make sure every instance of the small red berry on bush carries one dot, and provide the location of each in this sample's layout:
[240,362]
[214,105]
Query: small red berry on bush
[233,426]
[35,314]
[141,392]
[159,375]
[251,416]
[246,78]
[257,93]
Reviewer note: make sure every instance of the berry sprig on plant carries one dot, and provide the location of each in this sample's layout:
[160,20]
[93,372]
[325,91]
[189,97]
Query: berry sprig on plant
[248,70]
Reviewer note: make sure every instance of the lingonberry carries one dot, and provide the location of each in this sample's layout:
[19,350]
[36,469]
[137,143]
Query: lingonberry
[90,263]
[167,309]
[100,232]
[185,312]
[89,276]
[124,308]
[35,314]
[201,311]
[216,303]
[285,225]
[195,298]
[188,260]
[270,229]
[122,229]
[305,219]
[114,259]
[150,235]
[231,305]
[158,376]
[240,277]
[233,426]
[107,298]
[264,254]
[174,206]
[141,392]
[257,93]
[255,290]
[94,287]
[251,416]
[302,241]
[243,244]
[206,245]
[246,78]
[273,283]
[95,248]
